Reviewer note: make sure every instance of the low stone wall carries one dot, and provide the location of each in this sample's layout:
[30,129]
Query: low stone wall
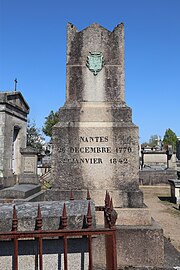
[156,177]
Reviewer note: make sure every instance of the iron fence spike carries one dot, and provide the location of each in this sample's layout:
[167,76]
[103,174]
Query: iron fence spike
[111,204]
[106,198]
[89,216]
[88,195]
[71,196]
[14,212]
[38,225]
[64,218]
[14,220]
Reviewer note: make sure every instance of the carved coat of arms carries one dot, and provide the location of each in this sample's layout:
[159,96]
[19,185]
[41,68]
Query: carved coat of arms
[95,62]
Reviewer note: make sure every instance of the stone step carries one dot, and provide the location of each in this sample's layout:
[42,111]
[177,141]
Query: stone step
[19,191]
[39,196]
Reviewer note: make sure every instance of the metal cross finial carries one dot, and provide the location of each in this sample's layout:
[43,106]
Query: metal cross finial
[15,84]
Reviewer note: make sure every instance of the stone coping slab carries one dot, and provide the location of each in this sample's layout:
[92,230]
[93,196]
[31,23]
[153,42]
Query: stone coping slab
[19,191]
[50,211]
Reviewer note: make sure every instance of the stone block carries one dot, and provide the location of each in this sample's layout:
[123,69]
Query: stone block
[19,191]
[28,179]
[111,163]
[140,246]
[137,246]
[133,216]
[156,177]
[121,198]
[128,217]
[9,181]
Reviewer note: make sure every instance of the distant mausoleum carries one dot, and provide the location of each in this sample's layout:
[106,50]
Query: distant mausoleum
[13,128]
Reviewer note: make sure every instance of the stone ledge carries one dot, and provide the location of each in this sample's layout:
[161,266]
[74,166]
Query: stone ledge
[133,216]
[19,191]
[128,217]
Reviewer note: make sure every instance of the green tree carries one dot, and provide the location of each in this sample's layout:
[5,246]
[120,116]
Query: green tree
[170,138]
[34,136]
[51,120]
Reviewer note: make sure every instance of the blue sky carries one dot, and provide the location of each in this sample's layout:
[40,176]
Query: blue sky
[33,49]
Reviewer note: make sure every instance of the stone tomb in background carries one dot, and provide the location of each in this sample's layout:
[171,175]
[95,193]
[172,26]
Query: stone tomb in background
[95,144]
[13,128]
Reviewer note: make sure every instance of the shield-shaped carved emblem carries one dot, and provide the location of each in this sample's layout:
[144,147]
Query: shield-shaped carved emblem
[95,62]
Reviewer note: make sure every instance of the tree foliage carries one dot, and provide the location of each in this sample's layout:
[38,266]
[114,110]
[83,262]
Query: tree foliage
[153,141]
[51,120]
[170,138]
[34,136]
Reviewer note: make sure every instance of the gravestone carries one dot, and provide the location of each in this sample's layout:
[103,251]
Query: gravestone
[18,164]
[29,166]
[95,144]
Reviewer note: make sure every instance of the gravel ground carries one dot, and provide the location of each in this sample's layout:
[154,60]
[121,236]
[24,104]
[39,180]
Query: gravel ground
[168,216]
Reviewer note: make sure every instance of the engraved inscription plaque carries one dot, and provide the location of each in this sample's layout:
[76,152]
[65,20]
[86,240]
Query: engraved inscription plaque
[29,165]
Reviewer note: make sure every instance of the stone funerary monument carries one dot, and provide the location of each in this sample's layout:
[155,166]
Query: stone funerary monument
[95,143]
[13,120]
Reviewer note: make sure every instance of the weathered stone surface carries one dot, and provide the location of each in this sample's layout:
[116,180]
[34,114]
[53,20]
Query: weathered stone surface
[51,212]
[133,216]
[156,177]
[121,198]
[137,246]
[95,144]
[141,246]
[19,191]
[128,216]
[81,83]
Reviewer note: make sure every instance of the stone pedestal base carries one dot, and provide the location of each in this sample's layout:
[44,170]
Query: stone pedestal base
[137,246]
[28,179]
[95,147]
[121,198]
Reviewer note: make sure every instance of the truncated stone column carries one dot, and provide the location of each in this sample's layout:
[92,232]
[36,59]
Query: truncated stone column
[95,144]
